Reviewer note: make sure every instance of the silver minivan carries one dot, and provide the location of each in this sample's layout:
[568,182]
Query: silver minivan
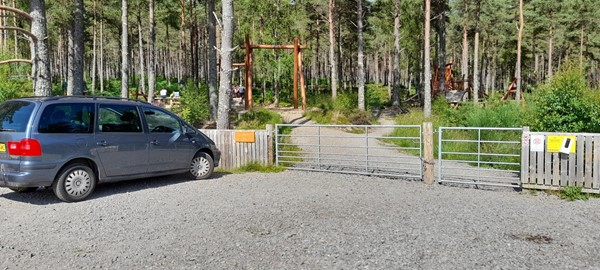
[73,143]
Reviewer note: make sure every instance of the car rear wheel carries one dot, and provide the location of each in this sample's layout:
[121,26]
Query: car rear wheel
[202,166]
[24,189]
[74,183]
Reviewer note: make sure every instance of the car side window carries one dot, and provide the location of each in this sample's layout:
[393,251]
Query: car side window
[161,122]
[118,118]
[67,118]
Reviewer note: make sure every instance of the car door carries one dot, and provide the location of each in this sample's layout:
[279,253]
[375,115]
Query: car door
[170,148]
[122,145]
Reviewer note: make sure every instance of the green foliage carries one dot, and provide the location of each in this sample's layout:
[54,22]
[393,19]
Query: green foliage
[258,167]
[14,80]
[567,104]
[258,118]
[493,114]
[194,106]
[573,194]
[376,95]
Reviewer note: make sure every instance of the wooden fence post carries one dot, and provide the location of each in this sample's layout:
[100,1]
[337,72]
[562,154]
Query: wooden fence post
[270,145]
[428,161]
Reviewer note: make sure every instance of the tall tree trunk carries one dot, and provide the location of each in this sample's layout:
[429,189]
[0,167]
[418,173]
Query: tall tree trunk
[124,51]
[142,83]
[151,54]
[427,69]
[376,65]
[476,56]
[549,78]
[465,48]
[42,84]
[16,33]
[226,65]
[332,60]
[361,56]
[101,64]
[212,58]
[519,40]
[94,55]
[76,83]
[581,49]
[396,56]
[442,46]
[183,52]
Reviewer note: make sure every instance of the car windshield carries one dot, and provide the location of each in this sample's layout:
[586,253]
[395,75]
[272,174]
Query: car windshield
[14,115]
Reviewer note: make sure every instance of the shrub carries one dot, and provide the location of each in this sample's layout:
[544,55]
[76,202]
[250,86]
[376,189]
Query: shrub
[195,108]
[258,118]
[567,104]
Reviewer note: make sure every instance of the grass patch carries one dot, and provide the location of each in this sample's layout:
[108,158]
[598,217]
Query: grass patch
[258,119]
[258,167]
[288,152]
[573,194]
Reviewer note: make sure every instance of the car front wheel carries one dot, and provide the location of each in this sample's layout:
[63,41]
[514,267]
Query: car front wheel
[75,182]
[201,167]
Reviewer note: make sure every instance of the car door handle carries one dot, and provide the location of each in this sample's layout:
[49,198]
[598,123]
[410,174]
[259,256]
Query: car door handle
[154,142]
[102,143]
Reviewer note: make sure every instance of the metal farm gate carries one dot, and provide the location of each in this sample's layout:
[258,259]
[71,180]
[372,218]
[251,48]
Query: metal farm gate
[354,149]
[479,156]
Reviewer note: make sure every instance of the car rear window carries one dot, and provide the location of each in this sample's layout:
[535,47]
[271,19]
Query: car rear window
[67,118]
[14,115]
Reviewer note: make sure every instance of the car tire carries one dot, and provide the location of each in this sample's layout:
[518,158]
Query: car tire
[201,166]
[74,183]
[23,189]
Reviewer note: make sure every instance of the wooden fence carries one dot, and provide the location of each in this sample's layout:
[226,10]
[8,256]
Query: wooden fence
[548,164]
[240,147]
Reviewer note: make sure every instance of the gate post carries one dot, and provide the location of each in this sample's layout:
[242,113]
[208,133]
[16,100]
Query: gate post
[525,155]
[270,153]
[428,162]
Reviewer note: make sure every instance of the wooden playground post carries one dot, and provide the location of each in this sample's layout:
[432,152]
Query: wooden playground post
[302,88]
[248,74]
[296,49]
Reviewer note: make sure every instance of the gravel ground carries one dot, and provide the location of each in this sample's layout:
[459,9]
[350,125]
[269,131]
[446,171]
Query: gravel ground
[296,220]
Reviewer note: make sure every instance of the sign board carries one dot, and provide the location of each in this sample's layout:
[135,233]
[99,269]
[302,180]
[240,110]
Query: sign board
[245,137]
[537,143]
[556,143]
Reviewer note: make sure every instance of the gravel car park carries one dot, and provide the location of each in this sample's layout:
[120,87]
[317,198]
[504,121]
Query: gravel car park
[296,220]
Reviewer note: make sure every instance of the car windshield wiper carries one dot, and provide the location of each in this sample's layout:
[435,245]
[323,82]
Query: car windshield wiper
[7,129]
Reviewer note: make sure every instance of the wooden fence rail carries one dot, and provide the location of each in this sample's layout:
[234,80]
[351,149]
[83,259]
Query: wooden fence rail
[546,167]
[240,147]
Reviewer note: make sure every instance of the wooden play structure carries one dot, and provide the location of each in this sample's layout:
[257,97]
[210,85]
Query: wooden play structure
[298,74]
[454,90]
[511,93]
[24,15]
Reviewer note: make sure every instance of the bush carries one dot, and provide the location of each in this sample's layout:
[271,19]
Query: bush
[567,104]
[195,108]
[258,119]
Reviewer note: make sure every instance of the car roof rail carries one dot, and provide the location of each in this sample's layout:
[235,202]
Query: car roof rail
[92,97]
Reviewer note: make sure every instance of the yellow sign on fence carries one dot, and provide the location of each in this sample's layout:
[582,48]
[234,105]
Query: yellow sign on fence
[555,143]
[245,136]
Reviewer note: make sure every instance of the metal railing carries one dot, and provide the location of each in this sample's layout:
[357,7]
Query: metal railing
[479,156]
[355,149]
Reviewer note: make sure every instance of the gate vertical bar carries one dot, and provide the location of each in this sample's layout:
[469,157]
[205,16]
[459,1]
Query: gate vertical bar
[478,155]
[276,145]
[319,147]
[440,168]
[421,149]
[367,149]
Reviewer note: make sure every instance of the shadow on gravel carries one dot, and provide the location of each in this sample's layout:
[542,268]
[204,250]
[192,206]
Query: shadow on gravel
[45,196]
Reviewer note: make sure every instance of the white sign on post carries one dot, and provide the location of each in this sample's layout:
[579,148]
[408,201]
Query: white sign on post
[537,143]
